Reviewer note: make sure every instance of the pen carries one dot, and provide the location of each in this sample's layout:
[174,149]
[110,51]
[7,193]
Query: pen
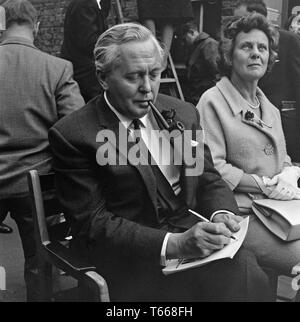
[205,220]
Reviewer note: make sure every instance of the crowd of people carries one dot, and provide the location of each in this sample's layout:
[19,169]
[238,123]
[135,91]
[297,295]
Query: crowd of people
[129,218]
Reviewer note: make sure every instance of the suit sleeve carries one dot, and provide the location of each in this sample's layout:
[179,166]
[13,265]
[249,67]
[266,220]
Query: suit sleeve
[67,94]
[213,193]
[80,186]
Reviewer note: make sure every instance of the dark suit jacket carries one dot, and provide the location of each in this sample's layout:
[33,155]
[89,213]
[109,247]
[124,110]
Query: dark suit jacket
[36,90]
[84,23]
[115,207]
[283,84]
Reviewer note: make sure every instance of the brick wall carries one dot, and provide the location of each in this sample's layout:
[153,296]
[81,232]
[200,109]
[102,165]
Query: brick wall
[52,12]
[51,17]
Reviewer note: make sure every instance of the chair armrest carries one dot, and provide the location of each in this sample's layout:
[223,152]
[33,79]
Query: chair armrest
[66,259]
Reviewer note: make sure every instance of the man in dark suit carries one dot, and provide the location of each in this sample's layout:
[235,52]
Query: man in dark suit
[85,21]
[36,90]
[132,216]
[282,84]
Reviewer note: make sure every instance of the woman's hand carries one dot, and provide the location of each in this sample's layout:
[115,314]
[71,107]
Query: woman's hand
[289,175]
[284,186]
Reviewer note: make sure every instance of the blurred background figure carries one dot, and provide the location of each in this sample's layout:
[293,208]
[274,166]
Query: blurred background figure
[36,90]
[293,24]
[4,229]
[282,84]
[202,67]
[85,21]
[164,15]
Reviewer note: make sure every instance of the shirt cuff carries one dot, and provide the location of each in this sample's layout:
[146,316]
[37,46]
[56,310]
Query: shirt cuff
[220,212]
[163,259]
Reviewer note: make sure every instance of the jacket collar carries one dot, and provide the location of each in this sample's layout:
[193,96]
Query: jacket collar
[109,120]
[238,105]
[19,41]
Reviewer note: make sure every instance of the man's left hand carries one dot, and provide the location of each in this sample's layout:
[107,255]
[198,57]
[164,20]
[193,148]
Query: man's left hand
[231,221]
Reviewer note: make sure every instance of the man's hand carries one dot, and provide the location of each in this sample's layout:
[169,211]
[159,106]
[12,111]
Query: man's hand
[231,221]
[199,241]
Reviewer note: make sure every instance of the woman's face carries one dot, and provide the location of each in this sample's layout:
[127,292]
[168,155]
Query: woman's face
[250,56]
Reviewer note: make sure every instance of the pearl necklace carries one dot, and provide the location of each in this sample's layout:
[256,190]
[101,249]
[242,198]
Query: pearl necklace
[255,107]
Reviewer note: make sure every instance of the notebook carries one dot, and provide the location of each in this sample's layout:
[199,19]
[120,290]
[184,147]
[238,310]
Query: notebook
[179,265]
[280,217]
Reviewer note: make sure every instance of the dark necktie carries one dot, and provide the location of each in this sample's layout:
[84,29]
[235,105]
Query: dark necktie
[136,125]
[168,202]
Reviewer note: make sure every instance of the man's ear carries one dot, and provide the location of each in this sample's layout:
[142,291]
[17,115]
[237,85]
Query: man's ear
[102,80]
[36,28]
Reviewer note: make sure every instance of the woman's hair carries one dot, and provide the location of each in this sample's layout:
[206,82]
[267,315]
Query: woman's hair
[253,6]
[244,24]
[107,47]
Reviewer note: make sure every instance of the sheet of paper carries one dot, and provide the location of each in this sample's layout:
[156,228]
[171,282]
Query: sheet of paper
[177,265]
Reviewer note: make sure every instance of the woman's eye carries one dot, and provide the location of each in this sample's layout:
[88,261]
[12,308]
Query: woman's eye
[246,46]
[263,48]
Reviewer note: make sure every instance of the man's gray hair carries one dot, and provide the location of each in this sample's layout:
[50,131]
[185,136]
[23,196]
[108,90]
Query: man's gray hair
[107,47]
[19,12]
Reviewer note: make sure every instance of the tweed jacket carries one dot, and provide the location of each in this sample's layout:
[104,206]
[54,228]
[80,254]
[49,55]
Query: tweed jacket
[238,143]
[36,90]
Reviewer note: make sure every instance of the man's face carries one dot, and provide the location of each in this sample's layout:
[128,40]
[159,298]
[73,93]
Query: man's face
[190,37]
[134,79]
[241,11]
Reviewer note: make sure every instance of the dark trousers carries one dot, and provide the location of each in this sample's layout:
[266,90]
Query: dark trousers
[20,211]
[238,280]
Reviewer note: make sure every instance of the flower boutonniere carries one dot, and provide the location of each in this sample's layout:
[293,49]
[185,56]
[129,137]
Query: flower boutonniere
[252,117]
[169,116]
[249,116]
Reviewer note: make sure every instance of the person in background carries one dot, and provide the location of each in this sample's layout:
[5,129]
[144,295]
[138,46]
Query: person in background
[4,229]
[131,217]
[244,132]
[202,67]
[85,21]
[281,86]
[36,90]
[164,15]
[293,24]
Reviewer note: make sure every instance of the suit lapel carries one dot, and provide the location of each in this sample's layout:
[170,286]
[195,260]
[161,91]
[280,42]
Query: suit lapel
[188,184]
[109,121]
[240,107]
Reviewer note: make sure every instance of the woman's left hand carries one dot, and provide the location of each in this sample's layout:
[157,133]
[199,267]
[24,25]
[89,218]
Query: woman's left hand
[289,175]
[284,186]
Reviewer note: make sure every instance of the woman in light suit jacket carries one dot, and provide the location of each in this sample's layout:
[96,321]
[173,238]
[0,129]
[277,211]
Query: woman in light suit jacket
[244,132]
